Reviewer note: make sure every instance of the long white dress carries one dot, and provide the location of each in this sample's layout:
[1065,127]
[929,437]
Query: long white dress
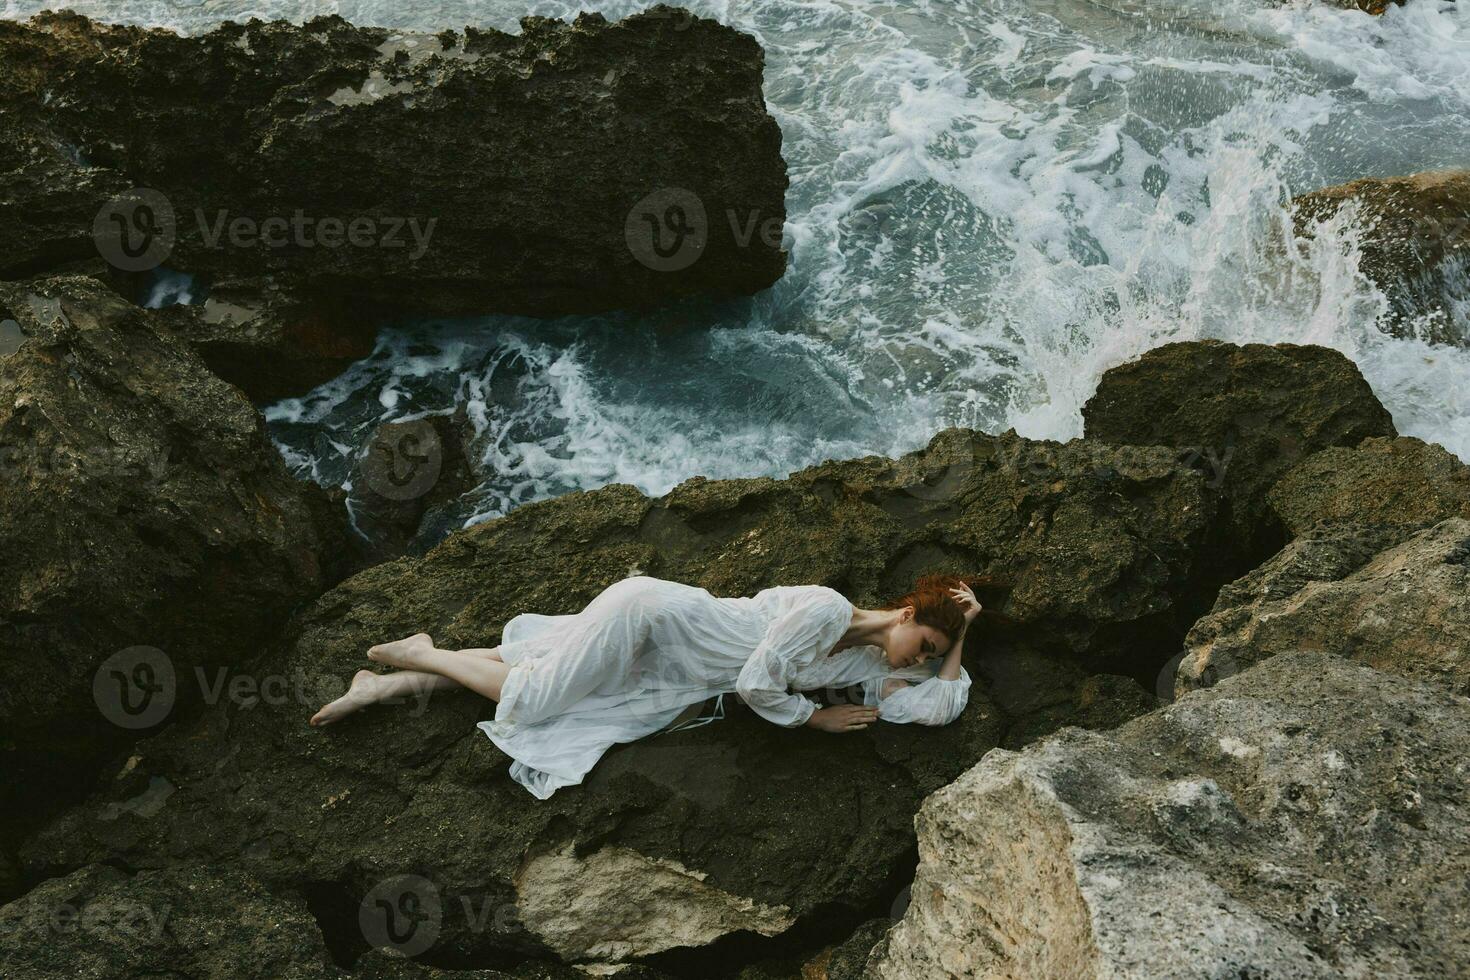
[645,649]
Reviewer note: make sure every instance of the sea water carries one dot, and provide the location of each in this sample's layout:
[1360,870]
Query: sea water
[991,203]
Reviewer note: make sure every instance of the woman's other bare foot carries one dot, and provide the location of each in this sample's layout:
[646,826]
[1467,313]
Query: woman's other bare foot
[402,653]
[360,694]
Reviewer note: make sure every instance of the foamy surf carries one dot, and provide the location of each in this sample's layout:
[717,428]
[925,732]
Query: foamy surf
[991,204]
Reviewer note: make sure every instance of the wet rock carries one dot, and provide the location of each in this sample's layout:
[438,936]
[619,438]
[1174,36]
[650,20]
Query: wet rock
[407,480]
[798,830]
[1380,481]
[1304,819]
[1374,7]
[1415,243]
[270,346]
[1354,591]
[571,168]
[1244,415]
[148,527]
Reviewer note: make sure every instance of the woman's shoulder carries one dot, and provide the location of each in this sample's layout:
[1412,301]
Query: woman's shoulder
[810,593]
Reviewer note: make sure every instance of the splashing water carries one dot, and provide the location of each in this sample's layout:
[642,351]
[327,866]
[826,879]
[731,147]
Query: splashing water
[991,204]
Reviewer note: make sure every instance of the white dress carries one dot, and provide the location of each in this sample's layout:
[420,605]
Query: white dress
[645,649]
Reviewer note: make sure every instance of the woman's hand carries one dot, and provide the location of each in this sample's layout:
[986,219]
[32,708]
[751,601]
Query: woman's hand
[965,596]
[843,718]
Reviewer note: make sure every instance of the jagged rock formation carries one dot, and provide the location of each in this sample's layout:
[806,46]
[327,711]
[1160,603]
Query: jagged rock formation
[1415,242]
[148,527]
[1352,591]
[1380,481]
[804,831]
[741,844]
[1304,819]
[406,483]
[1244,415]
[478,146]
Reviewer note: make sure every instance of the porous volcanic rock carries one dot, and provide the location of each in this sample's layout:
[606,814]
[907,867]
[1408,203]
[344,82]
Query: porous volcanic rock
[142,508]
[1380,481]
[739,827]
[1305,819]
[1354,591]
[1244,415]
[571,168]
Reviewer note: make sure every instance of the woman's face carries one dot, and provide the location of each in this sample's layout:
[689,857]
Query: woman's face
[909,643]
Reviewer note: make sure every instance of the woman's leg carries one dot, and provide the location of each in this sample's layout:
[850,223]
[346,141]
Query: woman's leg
[417,654]
[368,687]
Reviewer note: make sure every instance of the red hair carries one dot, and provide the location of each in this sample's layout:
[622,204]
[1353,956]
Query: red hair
[935,607]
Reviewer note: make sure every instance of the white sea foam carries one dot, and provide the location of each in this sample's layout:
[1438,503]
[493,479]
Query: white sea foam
[991,204]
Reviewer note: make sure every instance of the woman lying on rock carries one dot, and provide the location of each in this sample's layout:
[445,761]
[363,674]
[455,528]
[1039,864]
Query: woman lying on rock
[646,650]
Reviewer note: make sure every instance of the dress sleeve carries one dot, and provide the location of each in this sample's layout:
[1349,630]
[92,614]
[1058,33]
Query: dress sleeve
[933,701]
[792,640]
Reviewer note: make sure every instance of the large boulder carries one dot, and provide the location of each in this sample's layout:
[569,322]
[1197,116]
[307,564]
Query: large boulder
[1380,481]
[1306,819]
[725,834]
[570,168]
[1414,242]
[148,527]
[1354,591]
[1244,415]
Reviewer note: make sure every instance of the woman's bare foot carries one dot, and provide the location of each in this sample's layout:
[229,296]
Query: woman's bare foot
[359,695]
[402,653]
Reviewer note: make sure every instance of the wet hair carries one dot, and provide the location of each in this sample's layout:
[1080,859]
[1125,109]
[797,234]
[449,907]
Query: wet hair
[934,606]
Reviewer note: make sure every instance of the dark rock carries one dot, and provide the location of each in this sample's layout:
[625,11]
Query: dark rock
[407,480]
[1100,701]
[272,347]
[1379,481]
[99,923]
[759,829]
[148,527]
[1244,415]
[1415,244]
[1304,819]
[849,959]
[1381,595]
[571,168]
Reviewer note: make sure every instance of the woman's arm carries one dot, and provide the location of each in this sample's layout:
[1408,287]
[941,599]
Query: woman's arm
[936,701]
[950,669]
[791,640]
